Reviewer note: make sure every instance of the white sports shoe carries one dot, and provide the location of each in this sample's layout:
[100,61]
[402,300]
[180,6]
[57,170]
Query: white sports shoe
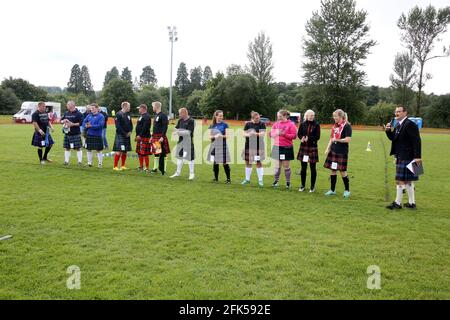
[174,175]
[191,176]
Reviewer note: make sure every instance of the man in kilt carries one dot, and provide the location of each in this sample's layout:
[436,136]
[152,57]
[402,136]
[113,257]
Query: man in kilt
[309,134]
[122,141]
[337,152]
[185,146]
[41,137]
[143,145]
[159,136]
[93,126]
[255,148]
[406,147]
[72,121]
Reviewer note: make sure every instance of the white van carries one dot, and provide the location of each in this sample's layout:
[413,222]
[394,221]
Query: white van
[29,107]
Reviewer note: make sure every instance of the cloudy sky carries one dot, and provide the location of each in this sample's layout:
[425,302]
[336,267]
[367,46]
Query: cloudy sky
[42,40]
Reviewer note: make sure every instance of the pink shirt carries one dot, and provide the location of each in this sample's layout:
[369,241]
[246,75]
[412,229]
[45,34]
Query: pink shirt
[288,134]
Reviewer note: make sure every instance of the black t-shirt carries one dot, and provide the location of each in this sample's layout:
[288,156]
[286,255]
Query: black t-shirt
[342,148]
[124,125]
[189,125]
[42,119]
[74,117]
[160,124]
[143,126]
[257,127]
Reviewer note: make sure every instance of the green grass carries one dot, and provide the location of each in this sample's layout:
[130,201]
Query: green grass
[136,236]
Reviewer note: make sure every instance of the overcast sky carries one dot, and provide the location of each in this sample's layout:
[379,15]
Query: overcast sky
[42,40]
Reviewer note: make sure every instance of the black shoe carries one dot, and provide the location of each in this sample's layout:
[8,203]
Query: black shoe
[410,206]
[228,181]
[153,171]
[215,180]
[394,206]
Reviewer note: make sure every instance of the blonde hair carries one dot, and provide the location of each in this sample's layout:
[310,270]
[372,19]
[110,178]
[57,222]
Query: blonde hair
[183,110]
[308,112]
[125,103]
[284,113]
[215,115]
[254,113]
[341,113]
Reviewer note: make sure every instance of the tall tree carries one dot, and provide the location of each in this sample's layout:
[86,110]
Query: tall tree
[182,82]
[24,90]
[404,77]
[335,47]
[117,91]
[421,30]
[75,84]
[196,78]
[207,74]
[148,76]
[9,103]
[86,84]
[260,57]
[112,74]
[234,69]
[126,75]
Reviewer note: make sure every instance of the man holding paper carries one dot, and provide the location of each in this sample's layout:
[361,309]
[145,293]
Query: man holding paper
[406,147]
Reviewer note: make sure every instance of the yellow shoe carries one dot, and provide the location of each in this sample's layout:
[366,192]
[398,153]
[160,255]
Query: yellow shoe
[124,168]
[116,169]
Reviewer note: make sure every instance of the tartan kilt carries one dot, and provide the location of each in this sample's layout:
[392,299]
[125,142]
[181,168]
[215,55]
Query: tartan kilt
[144,147]
[402,173]
[37,140]
[180,151]
[94,143]
[164,145]
[341,160]
[248,154]
[288,153]
[219,149]
[121,140]
[310,151]
[75,139]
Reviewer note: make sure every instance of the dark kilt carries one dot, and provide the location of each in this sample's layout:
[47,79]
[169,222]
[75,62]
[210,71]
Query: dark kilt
[249,154]
[75,139]
[287,151]
[180,151]
[94,143]
[164,145]
[144,147]
[341,160]
[121,140]
[37,140]
[402,173]
[310,151]
[219,149]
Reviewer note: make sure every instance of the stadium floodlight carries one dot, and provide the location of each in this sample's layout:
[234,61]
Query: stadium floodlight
[173,37]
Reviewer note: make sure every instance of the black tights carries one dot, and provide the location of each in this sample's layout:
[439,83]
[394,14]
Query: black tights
[313,174]
[226,167]
[39,151]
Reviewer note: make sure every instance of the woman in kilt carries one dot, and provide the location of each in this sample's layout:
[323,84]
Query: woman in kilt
[72,121]
[122,142]
[337,152]
[255,148]
[159,141]
[309,134]
[143,145]
[93,126]
[219,152]
[41,137]
[284,132]
[185,146]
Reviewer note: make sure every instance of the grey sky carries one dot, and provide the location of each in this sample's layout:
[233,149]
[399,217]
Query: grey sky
[43,39]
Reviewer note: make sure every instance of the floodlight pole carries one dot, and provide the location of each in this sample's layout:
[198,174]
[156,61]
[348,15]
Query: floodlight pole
[172,38]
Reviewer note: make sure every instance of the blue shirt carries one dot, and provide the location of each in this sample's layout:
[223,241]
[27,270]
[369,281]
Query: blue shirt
[219,128]
[97,122]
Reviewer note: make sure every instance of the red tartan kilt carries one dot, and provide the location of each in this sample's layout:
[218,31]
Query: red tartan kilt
[144,147]
[165,144]
[340,159]
[306,150]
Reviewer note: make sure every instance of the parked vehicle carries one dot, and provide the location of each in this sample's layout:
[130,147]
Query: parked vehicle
[29,107]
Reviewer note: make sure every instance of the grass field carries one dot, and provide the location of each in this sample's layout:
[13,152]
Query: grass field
[136,236]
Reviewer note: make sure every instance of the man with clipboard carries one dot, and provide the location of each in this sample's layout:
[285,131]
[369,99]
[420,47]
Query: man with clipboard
[406,147]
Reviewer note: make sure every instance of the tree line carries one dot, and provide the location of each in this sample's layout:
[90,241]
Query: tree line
[335,47]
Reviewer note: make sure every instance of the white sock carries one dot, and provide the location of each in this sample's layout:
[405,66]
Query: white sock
[179,166]
[399,198]
[66,156]
[100,158]
[411,195]
[89,157]
[80,155]
[260,172]
[191,167]
[248,173]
